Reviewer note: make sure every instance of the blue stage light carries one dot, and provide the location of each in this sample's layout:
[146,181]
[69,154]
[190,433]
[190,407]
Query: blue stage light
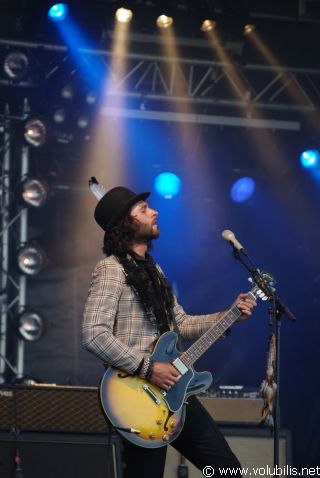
[167,185]
[242,189]
[310,158]
[58,12]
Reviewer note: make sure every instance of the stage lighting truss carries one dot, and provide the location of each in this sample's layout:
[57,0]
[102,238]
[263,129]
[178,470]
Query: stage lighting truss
[150,77]
[31,259]
[35,192]
[29,325]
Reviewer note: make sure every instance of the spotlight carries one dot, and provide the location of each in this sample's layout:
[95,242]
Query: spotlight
[30,326]
[124,15]
[163,21]
[35,192]
[310,158]
[67,92]
[59,116]
[242,189]
[248,28]
[35,132]
[58,12]
[91,97]
[167,185]
[83,122]
[16,65]
[31,259]
[208,25]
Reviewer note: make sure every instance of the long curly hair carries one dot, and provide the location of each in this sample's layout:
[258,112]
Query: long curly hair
[118,240]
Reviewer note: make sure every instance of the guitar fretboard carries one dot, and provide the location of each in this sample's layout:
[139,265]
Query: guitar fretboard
[208,338]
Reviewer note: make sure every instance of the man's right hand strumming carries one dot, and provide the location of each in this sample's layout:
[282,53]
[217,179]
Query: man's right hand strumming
[164,375]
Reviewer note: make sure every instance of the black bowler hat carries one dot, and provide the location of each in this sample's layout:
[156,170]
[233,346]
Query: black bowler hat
[114,204]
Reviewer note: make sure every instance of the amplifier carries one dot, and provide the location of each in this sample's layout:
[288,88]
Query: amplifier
[63,455]
[238,411]
[59,431]
[51,408]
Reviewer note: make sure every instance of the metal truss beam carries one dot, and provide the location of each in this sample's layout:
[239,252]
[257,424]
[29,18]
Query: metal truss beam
[206,85]
[13,226]
[4,244]
[201,119]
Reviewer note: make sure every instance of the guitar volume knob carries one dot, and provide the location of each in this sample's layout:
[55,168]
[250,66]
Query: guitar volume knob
[159,422]
[165,437]
[152,435]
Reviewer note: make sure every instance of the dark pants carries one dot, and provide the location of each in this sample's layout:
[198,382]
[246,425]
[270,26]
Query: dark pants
[200,441]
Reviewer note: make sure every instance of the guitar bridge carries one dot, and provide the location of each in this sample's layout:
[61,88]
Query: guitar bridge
[152,394]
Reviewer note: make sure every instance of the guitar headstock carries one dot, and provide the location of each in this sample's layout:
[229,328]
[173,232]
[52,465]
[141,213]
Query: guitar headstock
[260,292]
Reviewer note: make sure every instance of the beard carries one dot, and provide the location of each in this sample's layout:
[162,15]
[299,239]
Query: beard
[145,233]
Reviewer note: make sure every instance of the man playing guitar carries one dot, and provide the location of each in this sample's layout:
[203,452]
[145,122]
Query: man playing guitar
[130,305]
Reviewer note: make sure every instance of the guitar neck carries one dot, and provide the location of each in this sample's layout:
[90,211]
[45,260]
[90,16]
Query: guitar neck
[190,356]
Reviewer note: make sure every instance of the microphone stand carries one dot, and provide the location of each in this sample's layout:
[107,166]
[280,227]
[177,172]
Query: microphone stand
[278,309]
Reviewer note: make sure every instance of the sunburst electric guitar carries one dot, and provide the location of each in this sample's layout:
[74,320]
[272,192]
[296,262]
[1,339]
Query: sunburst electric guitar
[145,414]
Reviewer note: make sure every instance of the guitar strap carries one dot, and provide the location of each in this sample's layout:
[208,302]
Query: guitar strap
[177,331]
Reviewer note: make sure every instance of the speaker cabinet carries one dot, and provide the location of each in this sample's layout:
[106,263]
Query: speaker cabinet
[235,411]
[252,446]
[51,408]
[53,455]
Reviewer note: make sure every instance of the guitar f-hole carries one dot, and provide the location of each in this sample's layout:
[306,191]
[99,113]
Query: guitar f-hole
[165,426]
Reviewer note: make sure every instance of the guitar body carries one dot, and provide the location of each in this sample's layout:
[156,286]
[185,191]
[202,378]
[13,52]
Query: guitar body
[147,415]
[142,412]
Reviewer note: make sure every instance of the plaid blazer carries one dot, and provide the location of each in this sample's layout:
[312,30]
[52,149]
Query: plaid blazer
[116,327]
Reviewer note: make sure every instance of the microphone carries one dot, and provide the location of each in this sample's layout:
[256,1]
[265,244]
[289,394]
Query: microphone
[231,238]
